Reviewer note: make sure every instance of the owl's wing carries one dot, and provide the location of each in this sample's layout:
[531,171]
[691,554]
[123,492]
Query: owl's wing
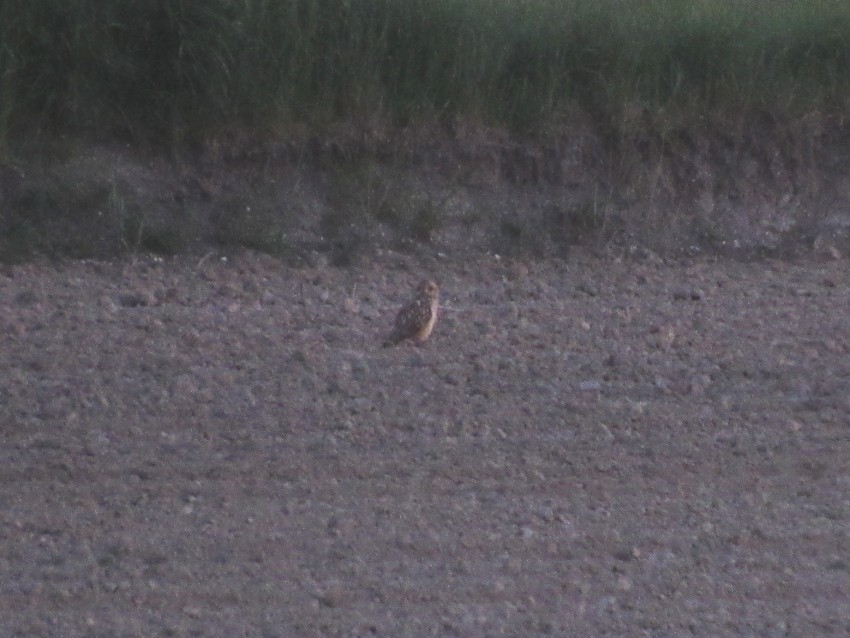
[410,319]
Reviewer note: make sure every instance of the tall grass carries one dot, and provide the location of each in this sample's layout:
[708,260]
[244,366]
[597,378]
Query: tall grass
[177,71]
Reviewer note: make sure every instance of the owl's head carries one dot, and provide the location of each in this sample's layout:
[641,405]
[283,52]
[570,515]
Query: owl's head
[429,289]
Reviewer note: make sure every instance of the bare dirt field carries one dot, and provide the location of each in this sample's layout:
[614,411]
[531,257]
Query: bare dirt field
[585,448]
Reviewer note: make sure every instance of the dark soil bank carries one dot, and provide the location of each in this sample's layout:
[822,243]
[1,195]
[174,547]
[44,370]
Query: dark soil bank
[584,448]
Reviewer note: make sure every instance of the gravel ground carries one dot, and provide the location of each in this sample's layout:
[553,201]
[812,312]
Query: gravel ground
[585,448]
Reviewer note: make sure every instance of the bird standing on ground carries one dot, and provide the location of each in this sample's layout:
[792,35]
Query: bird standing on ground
[415,320]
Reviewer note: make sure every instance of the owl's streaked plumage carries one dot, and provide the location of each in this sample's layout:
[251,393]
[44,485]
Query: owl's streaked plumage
[415,320]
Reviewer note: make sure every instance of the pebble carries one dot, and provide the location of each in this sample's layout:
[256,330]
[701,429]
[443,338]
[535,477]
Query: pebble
[687,294]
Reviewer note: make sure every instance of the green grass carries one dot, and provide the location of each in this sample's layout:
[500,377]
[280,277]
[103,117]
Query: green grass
[177,72]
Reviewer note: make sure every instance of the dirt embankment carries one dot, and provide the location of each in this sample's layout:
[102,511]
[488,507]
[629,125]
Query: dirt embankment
[754,186]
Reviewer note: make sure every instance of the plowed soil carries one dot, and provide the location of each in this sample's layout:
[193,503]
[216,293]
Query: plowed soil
[584,448]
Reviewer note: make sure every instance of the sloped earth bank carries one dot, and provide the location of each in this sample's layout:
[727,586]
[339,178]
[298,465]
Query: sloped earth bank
[586,447]
[749,185]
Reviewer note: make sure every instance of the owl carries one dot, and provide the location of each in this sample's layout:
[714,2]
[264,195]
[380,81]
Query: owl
[415,320]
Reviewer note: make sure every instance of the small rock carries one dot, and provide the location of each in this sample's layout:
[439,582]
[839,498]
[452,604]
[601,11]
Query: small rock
[26,298]
[827,244]
[662,384]
[359,366]
[165,295]
[250,287]
[666,337]
[588,288]
[613,360]
[344,369]
[794,425]
[351,306]
[624,554]
[687,294]
[332,598]
[517,270]
[547,513]
[416,360]
[16,328]
[644,254]
[610,332]
[134,299]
